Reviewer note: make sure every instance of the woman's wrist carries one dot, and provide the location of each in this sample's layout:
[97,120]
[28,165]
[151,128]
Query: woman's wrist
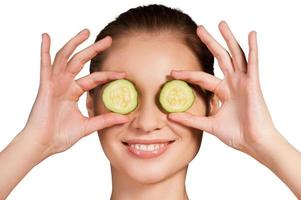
[272,151]
[32,151]
[17,159]
[283,159]
[267,149]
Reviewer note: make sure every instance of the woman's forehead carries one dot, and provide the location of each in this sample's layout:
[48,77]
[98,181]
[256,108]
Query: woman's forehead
[146,50]
[157,54]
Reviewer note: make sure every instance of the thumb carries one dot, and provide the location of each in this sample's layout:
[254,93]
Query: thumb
[198,122]
[103,121]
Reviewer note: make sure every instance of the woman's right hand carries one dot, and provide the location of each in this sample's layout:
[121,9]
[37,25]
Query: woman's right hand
[243,121]
[55,122]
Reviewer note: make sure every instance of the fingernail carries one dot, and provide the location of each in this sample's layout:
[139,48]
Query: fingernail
[201,27]
[107,38]
[82,31]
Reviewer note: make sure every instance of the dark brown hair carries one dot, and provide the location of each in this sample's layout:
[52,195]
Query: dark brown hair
[153,19]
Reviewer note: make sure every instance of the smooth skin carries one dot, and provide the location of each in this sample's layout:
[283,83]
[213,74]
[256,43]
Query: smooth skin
[242,122]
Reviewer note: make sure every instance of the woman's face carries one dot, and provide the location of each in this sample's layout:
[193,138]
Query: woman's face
[148,61]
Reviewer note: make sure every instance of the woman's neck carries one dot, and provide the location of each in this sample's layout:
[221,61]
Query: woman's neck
[124,188]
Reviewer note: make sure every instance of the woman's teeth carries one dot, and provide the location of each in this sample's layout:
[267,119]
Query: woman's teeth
[147,147]
[144,150]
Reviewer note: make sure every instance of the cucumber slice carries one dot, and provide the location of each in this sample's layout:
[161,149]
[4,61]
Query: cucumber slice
[120,96]
[176,96]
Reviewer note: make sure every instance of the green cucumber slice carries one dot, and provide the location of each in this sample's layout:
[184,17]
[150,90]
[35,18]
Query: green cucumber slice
[120,96]
[176,96]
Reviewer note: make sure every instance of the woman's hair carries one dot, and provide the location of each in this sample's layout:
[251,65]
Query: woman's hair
[156,18]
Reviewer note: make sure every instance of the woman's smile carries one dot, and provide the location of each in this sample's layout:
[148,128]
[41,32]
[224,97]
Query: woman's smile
[147,148]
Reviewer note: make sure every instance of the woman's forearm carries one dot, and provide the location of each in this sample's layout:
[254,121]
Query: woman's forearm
[16,160]
[283,159]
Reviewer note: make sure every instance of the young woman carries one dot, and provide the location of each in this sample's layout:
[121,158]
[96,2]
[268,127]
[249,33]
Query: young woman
[151,45]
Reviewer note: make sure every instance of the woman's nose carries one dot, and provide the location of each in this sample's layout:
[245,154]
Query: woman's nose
[148,117]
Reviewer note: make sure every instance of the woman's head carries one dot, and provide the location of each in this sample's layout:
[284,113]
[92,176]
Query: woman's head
[148,42]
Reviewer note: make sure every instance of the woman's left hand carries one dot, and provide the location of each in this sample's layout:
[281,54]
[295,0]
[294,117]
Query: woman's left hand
[243,121]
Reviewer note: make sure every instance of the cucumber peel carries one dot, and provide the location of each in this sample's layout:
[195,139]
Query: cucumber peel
[176,96]
[120,96]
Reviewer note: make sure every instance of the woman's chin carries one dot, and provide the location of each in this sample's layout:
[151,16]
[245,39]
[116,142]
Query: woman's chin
[148,178]
[151,174]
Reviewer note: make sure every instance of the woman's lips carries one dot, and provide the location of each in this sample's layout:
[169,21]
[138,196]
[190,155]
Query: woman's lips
[147,148]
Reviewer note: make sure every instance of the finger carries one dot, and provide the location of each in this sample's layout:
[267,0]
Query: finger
[253,56]
[203,79]
[103,121]
[79,59]
[238,56]
[222,56]
[198,122]
[45,57]
[92,80]
[62,56]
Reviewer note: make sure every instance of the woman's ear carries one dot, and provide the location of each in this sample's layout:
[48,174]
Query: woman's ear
[214,105]
[90,104]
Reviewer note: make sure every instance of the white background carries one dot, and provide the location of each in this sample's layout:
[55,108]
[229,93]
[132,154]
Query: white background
[82,172]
